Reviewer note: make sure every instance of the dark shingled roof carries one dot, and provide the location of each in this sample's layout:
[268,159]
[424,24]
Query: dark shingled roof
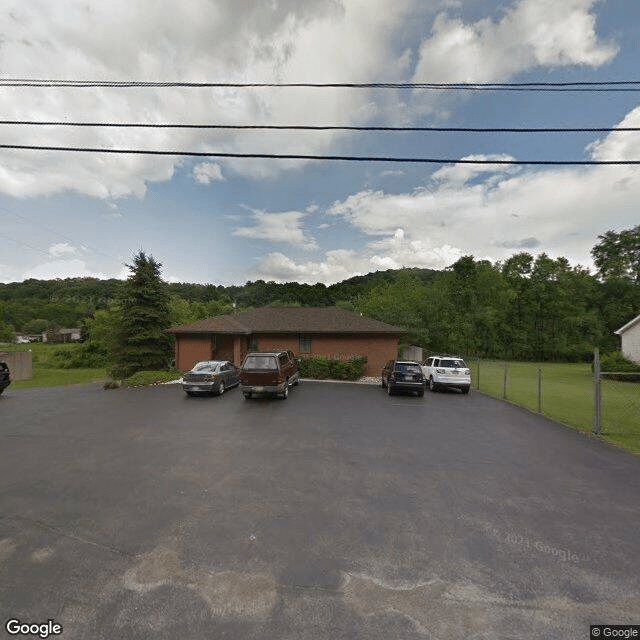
[289,320]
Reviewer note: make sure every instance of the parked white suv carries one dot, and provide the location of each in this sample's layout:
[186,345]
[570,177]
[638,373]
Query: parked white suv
[447,371]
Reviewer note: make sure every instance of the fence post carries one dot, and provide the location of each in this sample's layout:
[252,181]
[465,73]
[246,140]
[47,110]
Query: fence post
[539,390]
[597,392]
[504,392]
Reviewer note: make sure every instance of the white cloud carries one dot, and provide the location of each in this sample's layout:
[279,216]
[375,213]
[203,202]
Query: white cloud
[124,273]
[398,251]
[75,268]
[195,40]
[113,215]
[621,145]
[532,33]
[285,41]
[62,249]
[489,211]
[456,175]
[208,172]
[9,273]
[337,265]
[278,227]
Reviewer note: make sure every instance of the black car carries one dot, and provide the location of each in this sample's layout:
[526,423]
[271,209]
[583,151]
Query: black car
[211,376]
[5,376]
[403,376]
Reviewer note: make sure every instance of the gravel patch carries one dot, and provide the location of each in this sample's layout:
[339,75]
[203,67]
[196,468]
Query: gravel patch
[363,380]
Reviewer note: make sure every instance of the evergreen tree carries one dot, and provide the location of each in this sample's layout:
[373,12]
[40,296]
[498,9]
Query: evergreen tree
[143,313]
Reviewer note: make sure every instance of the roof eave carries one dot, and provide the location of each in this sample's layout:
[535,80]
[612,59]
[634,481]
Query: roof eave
[178,330]
[627,326]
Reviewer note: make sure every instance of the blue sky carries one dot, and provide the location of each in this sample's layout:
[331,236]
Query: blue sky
[229,221]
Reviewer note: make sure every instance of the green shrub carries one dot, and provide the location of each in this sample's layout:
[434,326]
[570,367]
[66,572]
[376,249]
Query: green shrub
[85,355]
[321,368]
[78,356]
[616,363]
[151,377]
[122,372]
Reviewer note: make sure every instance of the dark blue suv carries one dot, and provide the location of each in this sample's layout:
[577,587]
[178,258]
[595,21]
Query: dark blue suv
[403,375]
[5,376]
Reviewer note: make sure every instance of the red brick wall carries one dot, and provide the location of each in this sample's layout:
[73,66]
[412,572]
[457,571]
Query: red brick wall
[192,349]
[378,349]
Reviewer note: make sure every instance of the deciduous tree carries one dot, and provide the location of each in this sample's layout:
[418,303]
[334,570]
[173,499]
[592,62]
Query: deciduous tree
[617,255]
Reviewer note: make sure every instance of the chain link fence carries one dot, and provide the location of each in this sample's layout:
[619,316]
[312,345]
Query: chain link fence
[576,394]
[617,400]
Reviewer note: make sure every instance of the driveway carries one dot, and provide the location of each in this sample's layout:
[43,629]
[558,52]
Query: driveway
[338,513]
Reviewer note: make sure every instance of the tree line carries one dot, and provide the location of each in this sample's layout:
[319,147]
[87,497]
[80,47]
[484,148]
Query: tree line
[522,308]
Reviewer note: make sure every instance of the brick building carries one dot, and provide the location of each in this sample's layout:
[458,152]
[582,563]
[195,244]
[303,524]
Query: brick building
[307,331]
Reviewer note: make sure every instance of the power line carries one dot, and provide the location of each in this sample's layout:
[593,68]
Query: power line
[278,156]
[289,127]
[24,244]
[616,85]
[54,232]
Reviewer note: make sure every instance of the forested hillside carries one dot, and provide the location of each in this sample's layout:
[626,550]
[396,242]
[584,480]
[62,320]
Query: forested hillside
[35,305]
[526,307]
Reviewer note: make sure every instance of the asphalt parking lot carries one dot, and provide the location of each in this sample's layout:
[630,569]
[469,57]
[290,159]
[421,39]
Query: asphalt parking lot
[338,513]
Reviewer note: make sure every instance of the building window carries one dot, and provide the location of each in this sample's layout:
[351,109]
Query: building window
[253,343]
[305,343]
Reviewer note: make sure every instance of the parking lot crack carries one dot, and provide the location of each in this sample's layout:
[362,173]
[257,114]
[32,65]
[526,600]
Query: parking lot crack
[71,536]
[309,587]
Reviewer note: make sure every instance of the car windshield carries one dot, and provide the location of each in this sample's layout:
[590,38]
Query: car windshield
[205,367]
[408,368]
[453,364]
[266,363]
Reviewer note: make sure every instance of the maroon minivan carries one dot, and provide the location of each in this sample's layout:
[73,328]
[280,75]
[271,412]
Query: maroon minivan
[269,373]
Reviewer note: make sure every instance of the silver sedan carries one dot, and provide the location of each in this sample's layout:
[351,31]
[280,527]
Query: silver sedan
[211,376]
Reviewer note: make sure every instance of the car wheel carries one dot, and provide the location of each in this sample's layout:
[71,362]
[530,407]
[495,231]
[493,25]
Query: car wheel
[221,388]
[247,396]
[383,384]
[464,389]
[432,384]
[421,393]
[190,393]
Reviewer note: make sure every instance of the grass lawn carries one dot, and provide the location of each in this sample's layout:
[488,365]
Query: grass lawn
[621,413]
[46,369]
[60,377]
[566,395]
